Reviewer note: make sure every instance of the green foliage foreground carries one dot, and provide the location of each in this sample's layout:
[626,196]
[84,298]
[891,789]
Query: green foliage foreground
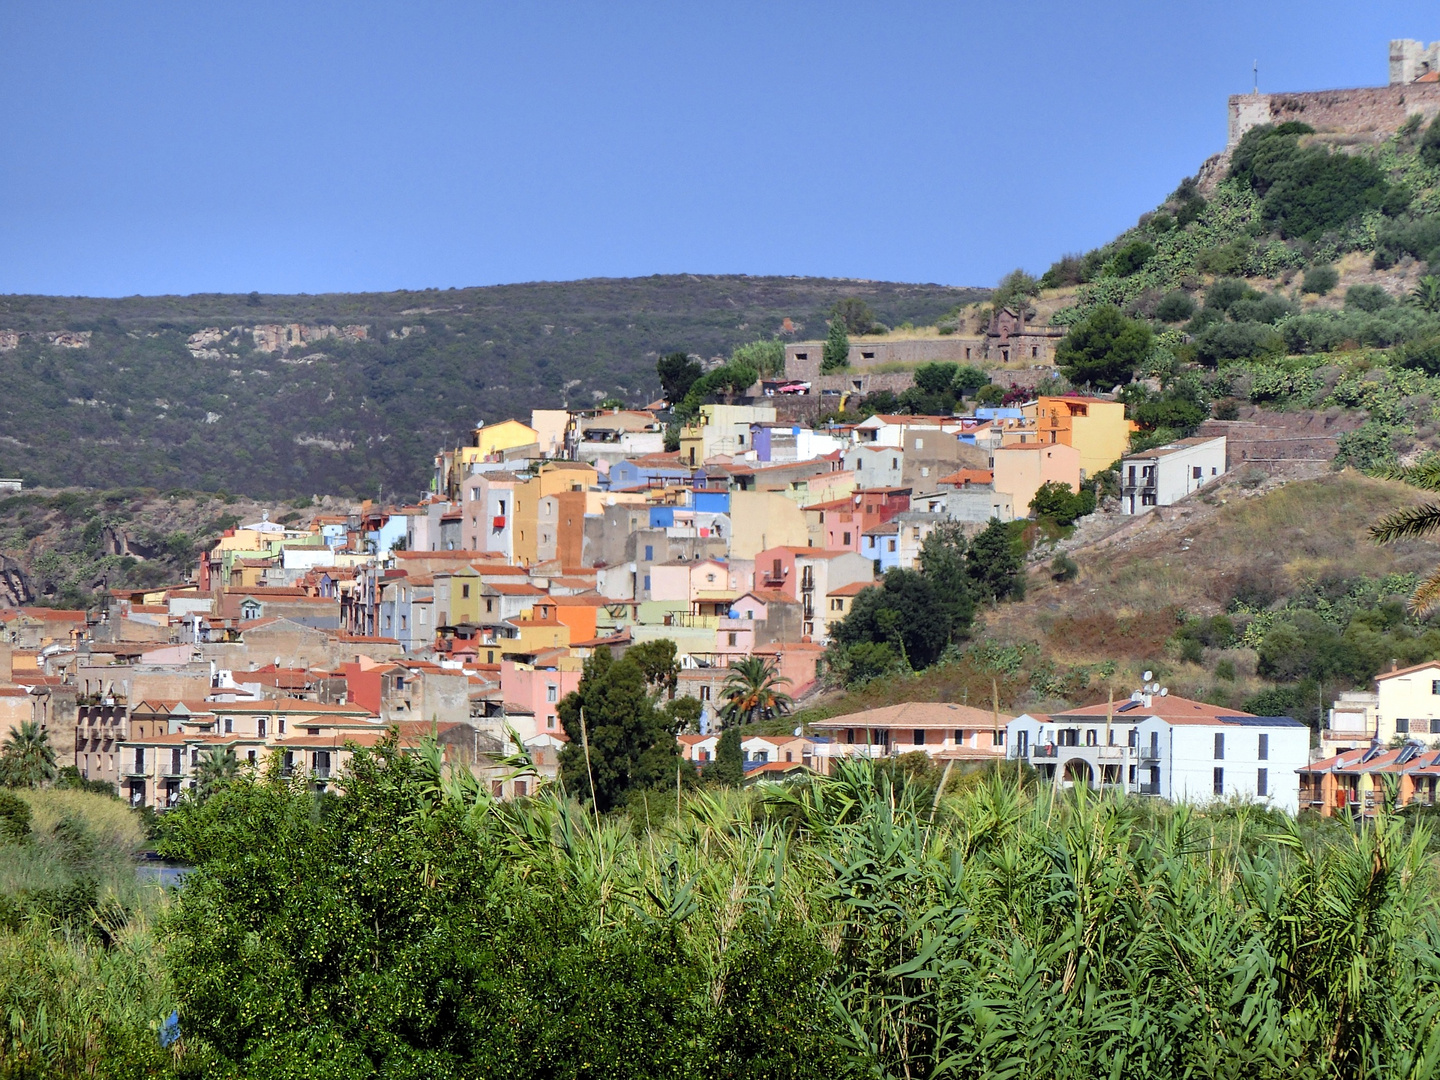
[846,928]
[852,927]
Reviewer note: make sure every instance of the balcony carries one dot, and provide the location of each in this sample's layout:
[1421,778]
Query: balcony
[1045,751]
[1149,789]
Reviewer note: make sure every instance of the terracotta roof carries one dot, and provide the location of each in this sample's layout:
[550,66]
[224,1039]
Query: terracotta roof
[968,476]
[1408,670]
[1172,708]
[768,596]
[517,588]
[855,588]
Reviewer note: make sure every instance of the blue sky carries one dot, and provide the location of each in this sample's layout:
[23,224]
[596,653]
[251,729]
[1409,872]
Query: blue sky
[313,147]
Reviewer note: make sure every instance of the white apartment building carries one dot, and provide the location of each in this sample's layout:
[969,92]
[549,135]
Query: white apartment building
[1178,749]
[1168,473]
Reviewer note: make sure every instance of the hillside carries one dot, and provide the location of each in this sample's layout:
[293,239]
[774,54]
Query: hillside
[1255,588]
[349,393]
[58,548]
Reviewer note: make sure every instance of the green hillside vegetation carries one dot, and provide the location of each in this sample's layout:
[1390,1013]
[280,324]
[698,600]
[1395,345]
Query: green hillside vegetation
[63,545]
[353,417]
[1303,281]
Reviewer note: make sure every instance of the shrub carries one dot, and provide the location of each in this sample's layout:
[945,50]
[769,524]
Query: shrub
[1225,670]
[1055,502]
[1320,280]
[1132,257]
[1175,307]
[1270,308]
[1430,144]
[1066,270]
[14,816]
[1226,292]
[1367,298]
[1238,341]
[1064,568]
[1104,348]
[1231,258]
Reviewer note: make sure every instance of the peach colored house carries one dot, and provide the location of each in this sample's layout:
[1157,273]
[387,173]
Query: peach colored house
[1020,470]
[686,581]
[538,689]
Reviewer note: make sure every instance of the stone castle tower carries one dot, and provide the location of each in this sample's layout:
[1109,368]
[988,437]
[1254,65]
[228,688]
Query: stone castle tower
[1412,60]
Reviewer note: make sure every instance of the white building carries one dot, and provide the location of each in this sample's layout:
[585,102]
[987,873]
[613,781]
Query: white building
[1405,704]
[876,466]
[1178,749]
[1168,473]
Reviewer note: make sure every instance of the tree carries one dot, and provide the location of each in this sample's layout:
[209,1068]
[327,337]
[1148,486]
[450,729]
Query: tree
[631,744]
[1415,523]
[836,354]
[904,611]
[1132,257]
[942,562]
[1430,144]
[766,356]
[752,692]
[1104,348]
[1426,294]
[1015,290]
[678,373]
[729,765]
[968,379]
[855,314]
[995,568]
[1054,501]
[657,661]
[27,759]
[937,378]
[214,771]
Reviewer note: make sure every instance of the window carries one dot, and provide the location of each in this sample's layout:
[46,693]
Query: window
[919,736]
[733,639]
[139,759]
[1435,686]
[489,606]
[894,463]
[892,545]
[845,538]
[1219,746]
[280,721]
[649,552]
[465,591]
[1091,738]
[497,788]
[1197,472]
[1402,727]
[1219,786]
[1264,751]
[550,721]
[1262,782]
[250,757]
[229,724]
[647,582]
[704,693]
[502,506]
[1434,727]
[837,605]
[552,693]
[520,789]
[919,443]
[260,726]
[1034,352]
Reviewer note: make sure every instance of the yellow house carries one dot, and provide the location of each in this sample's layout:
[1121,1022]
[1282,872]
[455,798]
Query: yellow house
[457,596]
[1094,426]
[764,519]
[537,633]
[493,439]
[1020,470]
[720,430]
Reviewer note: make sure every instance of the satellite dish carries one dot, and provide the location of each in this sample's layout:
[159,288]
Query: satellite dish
[1148,676]
[1164,690]
[799,731]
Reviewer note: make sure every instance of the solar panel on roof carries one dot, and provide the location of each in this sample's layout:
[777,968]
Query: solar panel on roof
[1128,706]
[1407,753]
[1373,752]
[1261,721]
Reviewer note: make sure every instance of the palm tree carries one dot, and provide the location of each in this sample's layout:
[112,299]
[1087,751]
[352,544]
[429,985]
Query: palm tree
[1426,293]
[27,758]
[216,769]
[752,692]
[1414,523]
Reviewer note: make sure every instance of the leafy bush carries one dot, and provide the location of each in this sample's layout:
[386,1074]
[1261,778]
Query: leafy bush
[1132,257]
[1175,306]
[1226,259]
[1054,501]
[1234,341]
[1367,298]
[1064,568]
[1320,280]
[1430,144]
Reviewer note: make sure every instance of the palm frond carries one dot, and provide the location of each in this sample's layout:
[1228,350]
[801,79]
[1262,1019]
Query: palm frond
[1407,523]
[1426,595]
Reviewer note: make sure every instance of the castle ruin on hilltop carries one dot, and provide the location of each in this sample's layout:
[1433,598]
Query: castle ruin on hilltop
[1365,114]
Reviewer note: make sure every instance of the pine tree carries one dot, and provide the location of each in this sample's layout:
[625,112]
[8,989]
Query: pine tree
[994,566]
[729,765]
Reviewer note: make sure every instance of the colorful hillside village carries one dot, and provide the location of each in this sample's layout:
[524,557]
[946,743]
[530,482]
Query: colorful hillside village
[470,614]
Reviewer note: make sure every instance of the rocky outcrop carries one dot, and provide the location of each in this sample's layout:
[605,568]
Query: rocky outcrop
[60,339]
[15,587]
[281,337]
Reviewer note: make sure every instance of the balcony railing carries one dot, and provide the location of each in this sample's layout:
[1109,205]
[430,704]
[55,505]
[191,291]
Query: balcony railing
[1044,751]
[1149,789]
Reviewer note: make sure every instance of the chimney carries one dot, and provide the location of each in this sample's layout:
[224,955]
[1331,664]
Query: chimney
[1394,664]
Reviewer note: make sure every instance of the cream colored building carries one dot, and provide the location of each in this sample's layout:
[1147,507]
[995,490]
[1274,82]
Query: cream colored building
[722,430]
[1404,705]
[764,519]
[1020,470]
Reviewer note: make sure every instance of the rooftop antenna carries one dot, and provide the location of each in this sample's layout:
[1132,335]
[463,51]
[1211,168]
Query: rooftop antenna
[1255,70]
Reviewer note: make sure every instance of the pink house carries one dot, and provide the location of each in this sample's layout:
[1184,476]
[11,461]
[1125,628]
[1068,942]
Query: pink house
[1021,469]
[684,581]
[538,689]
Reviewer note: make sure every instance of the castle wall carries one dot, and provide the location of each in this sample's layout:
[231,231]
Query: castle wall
[1374,112]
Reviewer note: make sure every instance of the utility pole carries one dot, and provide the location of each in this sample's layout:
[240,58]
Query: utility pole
[1255,71]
